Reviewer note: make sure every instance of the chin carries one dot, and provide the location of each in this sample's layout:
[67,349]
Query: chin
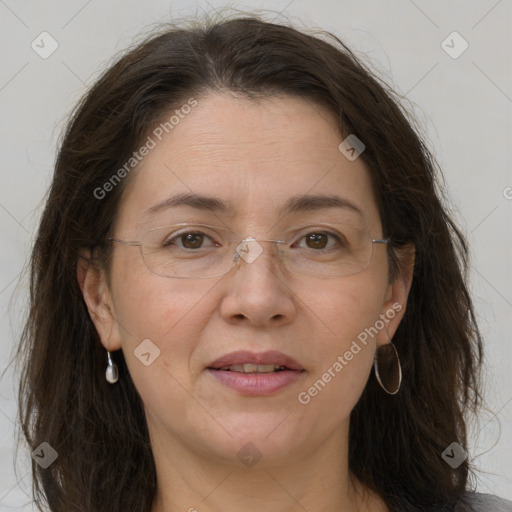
[252,436]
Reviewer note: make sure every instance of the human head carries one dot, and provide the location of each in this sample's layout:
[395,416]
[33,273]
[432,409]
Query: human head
[257,61]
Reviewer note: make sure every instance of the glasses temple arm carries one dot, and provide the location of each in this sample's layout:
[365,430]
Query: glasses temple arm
[124,242]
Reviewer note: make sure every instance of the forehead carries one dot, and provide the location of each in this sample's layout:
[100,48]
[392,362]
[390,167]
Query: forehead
[255,156]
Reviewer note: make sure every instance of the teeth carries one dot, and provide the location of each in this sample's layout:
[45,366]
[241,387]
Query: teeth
[253,368]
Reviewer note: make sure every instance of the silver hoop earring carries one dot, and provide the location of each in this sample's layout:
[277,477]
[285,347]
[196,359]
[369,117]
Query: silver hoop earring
[111,373]
[388,369]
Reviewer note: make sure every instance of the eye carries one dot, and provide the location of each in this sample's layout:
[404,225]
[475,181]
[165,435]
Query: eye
[188,240]
[320,240]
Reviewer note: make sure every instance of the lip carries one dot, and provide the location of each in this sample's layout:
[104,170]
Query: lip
[261,384]
[245,356]
[252,384]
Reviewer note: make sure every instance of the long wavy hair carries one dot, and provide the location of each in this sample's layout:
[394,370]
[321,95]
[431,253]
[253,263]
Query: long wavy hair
[99,431]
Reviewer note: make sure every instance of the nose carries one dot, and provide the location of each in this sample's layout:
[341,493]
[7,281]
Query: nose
[257,292]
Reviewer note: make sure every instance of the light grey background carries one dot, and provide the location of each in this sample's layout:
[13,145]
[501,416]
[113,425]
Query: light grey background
[463,105]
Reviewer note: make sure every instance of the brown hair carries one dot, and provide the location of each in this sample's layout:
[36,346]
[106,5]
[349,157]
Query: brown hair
[105,460]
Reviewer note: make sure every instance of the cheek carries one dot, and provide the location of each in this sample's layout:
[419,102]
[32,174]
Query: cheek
[349,311]
[154,315]
[148,305]
[349,306]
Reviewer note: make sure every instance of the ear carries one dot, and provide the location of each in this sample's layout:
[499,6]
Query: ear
[395,302]
[95,290]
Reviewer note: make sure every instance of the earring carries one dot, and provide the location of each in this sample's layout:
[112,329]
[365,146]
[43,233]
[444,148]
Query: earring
[111,373]
[388,369]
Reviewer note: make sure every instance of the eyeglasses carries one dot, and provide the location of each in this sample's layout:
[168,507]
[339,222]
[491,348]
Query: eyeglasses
[199,251]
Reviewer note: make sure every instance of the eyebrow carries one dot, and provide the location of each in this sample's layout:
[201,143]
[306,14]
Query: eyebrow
[299,203]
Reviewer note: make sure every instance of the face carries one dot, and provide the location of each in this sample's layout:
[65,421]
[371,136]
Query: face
[254,157]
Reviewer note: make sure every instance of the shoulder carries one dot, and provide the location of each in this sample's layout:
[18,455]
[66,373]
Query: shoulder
[476,502]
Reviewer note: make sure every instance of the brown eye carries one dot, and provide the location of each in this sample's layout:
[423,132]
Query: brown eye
[317,240]
[188,240]
[322,241]
[192,240]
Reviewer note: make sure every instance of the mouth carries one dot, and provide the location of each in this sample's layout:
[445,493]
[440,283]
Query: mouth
[253,368]
[254,374]
[244,361]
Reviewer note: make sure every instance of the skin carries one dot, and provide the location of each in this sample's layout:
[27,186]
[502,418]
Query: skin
[255,155]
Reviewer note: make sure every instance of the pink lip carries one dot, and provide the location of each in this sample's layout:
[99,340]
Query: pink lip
[244,356]
[256,384]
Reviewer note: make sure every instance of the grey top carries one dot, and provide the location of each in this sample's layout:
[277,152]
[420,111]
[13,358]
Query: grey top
[476,502]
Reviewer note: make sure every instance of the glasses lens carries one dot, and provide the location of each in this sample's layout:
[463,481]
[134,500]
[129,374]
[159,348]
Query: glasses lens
[187,251]
[333,252]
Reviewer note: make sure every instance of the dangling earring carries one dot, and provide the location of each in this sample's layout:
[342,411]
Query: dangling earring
[388,369]
[111,373]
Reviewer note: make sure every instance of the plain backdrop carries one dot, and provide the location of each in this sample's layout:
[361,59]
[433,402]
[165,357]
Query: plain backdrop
[462,100]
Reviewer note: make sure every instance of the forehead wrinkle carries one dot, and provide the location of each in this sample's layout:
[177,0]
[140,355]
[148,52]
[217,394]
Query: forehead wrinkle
[220,141]
[208,153]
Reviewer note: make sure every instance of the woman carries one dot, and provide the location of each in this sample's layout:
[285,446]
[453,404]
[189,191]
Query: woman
[242,224]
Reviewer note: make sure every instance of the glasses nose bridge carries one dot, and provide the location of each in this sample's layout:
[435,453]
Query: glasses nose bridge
[249,249]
